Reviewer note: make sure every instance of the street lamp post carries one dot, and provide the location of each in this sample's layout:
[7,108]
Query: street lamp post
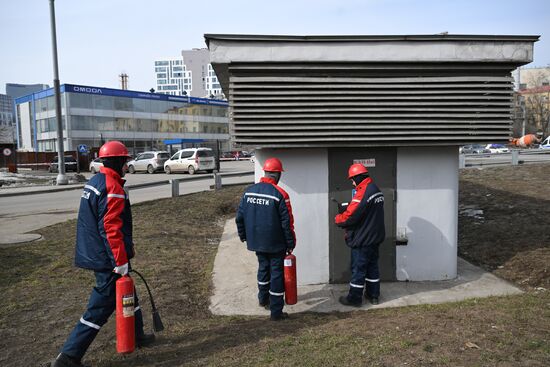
[61,177]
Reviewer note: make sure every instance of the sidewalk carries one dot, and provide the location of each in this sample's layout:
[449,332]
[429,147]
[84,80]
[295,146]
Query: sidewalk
[23,190]
[235,286]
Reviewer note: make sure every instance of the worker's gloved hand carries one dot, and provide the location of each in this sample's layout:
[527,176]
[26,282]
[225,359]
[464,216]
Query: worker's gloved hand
[289,250]
[122,269]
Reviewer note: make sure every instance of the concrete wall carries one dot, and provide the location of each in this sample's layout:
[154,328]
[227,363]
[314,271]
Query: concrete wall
[306,181]
[427,206]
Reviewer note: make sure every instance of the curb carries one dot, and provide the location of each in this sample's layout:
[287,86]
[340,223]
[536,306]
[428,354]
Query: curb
[45,191]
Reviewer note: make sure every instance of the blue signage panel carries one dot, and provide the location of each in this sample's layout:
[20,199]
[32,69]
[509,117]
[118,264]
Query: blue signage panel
[82,148]
[145,95]
[85,89]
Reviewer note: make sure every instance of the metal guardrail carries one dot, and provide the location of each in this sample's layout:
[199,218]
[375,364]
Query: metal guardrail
[175,182]
[512,158]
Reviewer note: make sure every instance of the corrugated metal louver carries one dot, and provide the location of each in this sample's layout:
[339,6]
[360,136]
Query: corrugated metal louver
[369,105]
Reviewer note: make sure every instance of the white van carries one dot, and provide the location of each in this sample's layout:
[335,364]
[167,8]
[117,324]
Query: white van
[191,160]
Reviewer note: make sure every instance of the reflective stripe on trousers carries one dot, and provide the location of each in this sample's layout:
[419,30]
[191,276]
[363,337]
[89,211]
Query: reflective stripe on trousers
[101,305]
[364,265]
[270,280]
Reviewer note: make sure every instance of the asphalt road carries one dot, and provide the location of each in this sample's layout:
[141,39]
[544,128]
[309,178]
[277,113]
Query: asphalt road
[21,214]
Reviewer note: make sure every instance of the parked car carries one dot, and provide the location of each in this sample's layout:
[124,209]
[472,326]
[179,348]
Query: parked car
[95,165]
[473,149]
[240,154]
[148,162]
[227,155]
[191,160]
[70,164]
[545,144]
[497,148]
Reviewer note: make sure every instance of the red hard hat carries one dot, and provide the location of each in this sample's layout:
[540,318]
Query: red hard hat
[273,165]
[356,169]
[113,149]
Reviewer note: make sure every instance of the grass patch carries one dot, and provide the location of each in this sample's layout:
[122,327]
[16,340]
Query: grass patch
[43,296]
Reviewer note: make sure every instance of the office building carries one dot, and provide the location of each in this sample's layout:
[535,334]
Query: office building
[141,120]
[7,122]
[19,90]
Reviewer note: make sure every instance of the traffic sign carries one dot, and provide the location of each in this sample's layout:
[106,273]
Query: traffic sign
[82,148]
[7,151]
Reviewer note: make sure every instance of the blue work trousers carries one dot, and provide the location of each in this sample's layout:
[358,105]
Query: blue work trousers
[271,281]
[101,305]
[364,269]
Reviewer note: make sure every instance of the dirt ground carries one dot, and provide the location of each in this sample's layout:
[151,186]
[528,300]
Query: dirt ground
[43,295]
[512,236]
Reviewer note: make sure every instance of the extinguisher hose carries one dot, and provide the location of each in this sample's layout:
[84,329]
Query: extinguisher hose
[157,323]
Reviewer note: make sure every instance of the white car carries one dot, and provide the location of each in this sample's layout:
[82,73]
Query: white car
[545,144]
[95,165]
[148,162]
[497,148]
[191,160]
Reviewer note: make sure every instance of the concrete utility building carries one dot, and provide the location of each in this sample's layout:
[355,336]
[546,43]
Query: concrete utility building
[399,104]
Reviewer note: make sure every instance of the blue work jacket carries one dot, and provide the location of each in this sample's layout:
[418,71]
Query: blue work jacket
[264,218]
[104,227]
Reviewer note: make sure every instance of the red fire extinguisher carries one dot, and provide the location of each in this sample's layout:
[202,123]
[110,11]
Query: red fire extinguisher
[125,324]
[291,288]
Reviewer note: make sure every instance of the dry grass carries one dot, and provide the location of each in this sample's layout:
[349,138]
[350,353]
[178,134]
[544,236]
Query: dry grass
[43,295]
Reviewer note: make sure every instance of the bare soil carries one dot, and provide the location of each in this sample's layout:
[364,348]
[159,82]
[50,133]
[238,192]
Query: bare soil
[43,295]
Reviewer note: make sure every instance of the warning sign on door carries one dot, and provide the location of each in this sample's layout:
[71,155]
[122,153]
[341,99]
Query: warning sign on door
[369,162]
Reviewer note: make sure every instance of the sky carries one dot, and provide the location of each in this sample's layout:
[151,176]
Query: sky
[99,39]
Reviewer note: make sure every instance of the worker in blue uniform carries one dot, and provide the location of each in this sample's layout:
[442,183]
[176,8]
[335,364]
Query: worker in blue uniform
[363,221]
[104,244]
[264,220]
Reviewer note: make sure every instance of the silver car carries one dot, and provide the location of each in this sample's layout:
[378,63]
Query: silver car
[148,162]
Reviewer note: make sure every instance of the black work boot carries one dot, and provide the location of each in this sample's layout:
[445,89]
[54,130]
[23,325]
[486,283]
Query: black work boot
[279,317]
[264,304]
[145,340]
[372,300]
[64,360]
[346,302]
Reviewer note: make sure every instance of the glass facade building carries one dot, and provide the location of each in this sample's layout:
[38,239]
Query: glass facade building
[141,120]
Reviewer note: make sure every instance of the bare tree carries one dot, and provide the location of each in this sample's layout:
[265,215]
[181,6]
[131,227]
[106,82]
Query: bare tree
[6,134]
[537,102]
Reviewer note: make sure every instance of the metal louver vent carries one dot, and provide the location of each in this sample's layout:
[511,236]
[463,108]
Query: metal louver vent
[286,105]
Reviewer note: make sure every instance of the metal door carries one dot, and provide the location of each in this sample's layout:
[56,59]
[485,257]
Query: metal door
[381,164]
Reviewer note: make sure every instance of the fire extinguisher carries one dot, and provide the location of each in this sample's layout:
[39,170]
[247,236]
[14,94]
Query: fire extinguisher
[125,319]
[291,288]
